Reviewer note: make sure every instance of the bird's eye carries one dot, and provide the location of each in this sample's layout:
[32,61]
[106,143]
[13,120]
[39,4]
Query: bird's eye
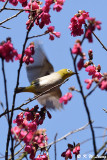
[68,70]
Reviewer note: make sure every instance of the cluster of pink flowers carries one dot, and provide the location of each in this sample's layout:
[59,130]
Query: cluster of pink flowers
[97,79]
[29,51]
[52,33]
[64,99]
[7,50]
[68,155]
[77,22]
[94,72]
[26,129]
[44,17]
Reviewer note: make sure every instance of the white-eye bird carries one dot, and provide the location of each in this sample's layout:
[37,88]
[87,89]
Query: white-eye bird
[42,77]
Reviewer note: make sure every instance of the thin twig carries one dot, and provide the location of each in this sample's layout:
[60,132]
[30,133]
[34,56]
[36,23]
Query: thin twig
[19,151]
[4,6]
[99,41]
[38,35]
[18,9]
[5,27]
[10,17]
[68,134]
[93,89]
[89,139]
[3,109]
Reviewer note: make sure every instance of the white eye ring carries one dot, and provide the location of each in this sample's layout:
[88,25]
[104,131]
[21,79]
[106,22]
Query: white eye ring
[68,70]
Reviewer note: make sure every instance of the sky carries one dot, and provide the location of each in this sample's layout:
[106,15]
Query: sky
[73,116]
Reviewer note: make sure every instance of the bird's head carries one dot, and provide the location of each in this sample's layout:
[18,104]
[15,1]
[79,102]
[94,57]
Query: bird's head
[66,73]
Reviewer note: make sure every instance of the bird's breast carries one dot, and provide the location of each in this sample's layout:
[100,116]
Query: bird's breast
[48,82]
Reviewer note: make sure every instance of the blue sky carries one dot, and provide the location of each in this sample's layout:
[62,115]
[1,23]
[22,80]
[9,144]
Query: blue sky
[73,115]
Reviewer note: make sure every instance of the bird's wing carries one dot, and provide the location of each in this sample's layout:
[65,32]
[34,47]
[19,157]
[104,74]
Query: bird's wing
[51,99]
[41,66]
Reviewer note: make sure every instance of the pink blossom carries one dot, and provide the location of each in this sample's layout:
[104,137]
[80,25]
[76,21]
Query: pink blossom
[29,116]
[32,154]
[57,34]
[88,35]
[93,24]
[52,33]
[29,51]
[91,70]
[32,126]
[48,2]
[13,2]
[45,18]
[67,154]
[28,137]
[15,129]
[89,83]
[65,98]
[60,2]
[7,51]
[76,150]
[34,5]
[19,119]
[77,49]
[51,37]
[103,84]
[42,157]
[97,75]
[80,64]
[29,22]
[51,28]
[57,7]
[28,148]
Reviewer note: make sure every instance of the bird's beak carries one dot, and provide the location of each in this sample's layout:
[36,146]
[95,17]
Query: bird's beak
[75,73]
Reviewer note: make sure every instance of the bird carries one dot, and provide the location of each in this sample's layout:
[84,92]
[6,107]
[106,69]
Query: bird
[42,77]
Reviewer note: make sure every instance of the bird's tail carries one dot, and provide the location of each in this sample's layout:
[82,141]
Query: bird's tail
[21,89]
[26,89]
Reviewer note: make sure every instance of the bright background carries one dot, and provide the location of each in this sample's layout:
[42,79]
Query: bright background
[73,115]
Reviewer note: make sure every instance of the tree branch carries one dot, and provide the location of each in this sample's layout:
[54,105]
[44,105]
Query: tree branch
[5,88]
[14,96]
[85,103]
